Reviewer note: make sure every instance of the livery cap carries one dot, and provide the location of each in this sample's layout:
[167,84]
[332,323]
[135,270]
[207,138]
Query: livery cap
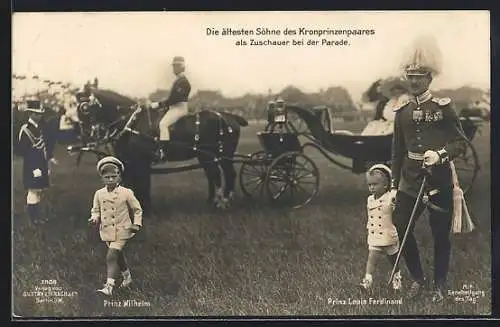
[34,106]
[110,160]
[386,170]
[178,60]
[422,57]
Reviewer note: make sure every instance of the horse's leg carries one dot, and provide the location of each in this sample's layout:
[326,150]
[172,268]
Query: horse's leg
[228,165]
[230,178]
[207,167]
[213,177]
[144,185]
[211,184]
[137,177]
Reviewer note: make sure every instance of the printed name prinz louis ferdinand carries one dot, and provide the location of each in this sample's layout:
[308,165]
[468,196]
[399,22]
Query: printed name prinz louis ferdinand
[362,301]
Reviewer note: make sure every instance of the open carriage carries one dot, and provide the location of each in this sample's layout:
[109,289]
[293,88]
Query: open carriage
[283,172]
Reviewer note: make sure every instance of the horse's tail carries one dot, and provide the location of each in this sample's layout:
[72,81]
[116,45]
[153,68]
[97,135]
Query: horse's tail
[237,118]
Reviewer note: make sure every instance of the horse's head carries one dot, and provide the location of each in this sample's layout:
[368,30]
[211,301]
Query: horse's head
[88,107]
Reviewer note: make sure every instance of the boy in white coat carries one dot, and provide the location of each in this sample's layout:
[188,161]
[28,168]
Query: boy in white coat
[110,209]
[382,235]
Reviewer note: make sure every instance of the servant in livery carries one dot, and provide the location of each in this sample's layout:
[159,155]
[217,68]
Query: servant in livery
[176,104]
[111,209]
[426,131]
[36,146]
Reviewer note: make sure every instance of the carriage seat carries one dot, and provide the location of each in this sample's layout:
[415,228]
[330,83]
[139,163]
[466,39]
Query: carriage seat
[373,128]
[342,132]
[378,127]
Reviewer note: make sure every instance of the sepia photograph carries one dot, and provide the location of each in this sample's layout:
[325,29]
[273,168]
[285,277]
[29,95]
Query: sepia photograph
[208,164]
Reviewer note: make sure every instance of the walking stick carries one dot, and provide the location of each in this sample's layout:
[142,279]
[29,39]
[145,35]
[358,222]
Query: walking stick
[401,247]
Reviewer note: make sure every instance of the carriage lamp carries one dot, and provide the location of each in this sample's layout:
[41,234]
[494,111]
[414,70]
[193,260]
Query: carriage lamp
[280,112]
[270,111]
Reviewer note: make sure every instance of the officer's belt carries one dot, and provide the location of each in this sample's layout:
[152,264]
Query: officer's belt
[420,156]
[415,155]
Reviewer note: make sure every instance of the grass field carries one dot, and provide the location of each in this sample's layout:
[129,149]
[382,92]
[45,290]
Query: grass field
[250,260]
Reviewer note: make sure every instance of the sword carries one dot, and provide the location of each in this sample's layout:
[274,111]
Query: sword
[412,217]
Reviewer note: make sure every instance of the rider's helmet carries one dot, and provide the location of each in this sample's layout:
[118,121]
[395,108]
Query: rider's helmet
[178,64]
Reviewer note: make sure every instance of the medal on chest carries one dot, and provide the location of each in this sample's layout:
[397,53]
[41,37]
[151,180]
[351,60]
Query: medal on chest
[418,115]
[433,116]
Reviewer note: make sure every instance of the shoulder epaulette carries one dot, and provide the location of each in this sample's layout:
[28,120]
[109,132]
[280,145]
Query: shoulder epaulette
[401,102]
[441,101]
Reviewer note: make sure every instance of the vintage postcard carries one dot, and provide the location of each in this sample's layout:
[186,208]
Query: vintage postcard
[173,164]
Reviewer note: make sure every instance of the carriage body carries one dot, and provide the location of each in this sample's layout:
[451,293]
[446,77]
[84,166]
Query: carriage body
[269,171]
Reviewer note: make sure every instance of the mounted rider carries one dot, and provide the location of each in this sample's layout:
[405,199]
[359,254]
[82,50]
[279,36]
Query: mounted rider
[176,104]
[85,96]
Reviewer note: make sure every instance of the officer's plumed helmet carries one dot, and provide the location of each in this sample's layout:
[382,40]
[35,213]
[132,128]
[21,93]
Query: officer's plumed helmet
[422,57]
[35,106]
[109,162]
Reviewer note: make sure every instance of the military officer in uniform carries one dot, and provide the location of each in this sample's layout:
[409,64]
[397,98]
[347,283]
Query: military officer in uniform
[426,132]
[176,103]
[36,148]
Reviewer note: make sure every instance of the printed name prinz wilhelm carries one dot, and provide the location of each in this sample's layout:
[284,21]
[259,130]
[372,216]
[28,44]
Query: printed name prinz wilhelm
[126,304]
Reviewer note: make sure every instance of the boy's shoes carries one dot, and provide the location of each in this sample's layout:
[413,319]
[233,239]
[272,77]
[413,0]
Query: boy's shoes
[367,282]
[127,280]
[106,290]
[396,281]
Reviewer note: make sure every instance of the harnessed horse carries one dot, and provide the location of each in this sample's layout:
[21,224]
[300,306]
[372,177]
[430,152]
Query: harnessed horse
[209,136]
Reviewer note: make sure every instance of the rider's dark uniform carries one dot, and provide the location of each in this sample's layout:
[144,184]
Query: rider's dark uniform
[425,123]
[178,93]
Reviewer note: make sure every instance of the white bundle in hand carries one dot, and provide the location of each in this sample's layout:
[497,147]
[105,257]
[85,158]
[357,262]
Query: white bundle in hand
[461,219]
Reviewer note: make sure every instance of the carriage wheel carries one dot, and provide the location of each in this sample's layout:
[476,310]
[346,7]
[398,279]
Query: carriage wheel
[466,165]
[253,174]
[292,179]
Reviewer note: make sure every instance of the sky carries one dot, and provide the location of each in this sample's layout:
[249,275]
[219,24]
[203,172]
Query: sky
[131,52]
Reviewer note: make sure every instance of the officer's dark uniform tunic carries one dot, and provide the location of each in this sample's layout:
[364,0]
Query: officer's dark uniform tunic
[36,150]
[178,93]
[425,123]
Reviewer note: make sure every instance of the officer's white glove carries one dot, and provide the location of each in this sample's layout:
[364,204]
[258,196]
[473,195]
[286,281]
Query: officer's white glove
[431,158]
[93,220]
[134,228]
[154,105]
[54,161]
